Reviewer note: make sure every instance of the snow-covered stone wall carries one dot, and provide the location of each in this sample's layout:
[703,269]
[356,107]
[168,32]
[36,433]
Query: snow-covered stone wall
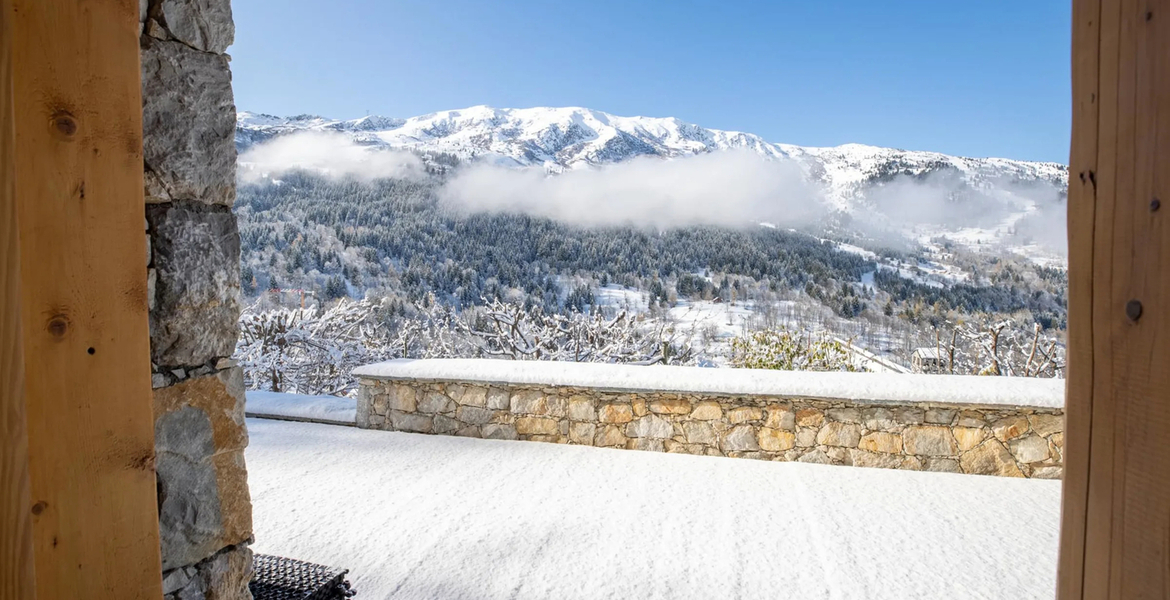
[189,156]
[962,424]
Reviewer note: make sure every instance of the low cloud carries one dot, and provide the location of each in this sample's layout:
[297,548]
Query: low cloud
[734,188]
[331,154]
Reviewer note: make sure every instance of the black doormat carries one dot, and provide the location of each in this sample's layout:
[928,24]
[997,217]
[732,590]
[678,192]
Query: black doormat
[277,578]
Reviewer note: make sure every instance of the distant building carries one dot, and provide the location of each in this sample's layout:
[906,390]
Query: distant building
[929,360]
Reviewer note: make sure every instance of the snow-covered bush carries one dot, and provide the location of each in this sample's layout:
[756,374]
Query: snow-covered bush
[789,351]
[313,351]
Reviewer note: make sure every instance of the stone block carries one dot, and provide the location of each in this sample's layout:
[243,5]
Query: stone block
[189,124]
[200,436]
[881,441]
[402,398]
[580,408]
[1050,472]
[971,418]
[875,460]
[845,435]
[639,407]
[445,425]
[400,421]
[610,435]
[473,415]
[816,457]
[499,431]
[497,399]
[197,306]
[223,576]
[1010,428]
[582,433]
[909,416]
[942,465]
[1046,424]
[776,440]
[806,437]
[435,402]
[470,396]
[929,440]
[202,24]
[616,413]
[650,426]
[990,458]
[741,439]
[780,417]
[537,426]
[529,402]
[470,431]
[1029,449]
[844,415]
[699,432]
[707,411]
[940,416]
[652,445]
[670,407]
[810,417]
[744,414]
[879,419]
[968,437]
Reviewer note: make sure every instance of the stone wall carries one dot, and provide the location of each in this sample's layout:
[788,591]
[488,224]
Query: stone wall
[189,156]
[987,439]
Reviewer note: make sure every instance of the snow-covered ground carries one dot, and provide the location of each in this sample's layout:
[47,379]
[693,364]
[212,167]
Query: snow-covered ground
[330,409]
[417,516]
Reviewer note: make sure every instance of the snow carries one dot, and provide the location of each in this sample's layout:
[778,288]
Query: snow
[326,409]
[419,517]
[871,387]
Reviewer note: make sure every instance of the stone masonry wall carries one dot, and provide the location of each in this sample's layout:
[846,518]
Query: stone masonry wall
[1001,440]
[189,156]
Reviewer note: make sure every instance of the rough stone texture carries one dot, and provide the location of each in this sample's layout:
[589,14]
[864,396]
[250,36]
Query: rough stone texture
[776,440]
[202,24]
[224,576]
[881,441]
[193,255]
[789,429]
[200,438]
[740,439]
[196,303]
[929,440]
[189,123]
[990,458]
[616,413]
[707,411]
[650,426]
[845,435]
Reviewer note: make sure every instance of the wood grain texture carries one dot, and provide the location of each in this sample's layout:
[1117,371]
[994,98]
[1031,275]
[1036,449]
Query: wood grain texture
[1082,200]
[84,306]
[16,554]
[1116,514]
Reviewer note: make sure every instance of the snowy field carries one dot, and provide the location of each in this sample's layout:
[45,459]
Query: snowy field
[436,517]
[330,409]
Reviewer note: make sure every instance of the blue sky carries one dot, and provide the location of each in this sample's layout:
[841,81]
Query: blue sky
[985,78]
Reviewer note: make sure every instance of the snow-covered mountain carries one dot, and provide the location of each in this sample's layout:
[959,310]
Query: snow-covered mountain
[982,199]
[573,137]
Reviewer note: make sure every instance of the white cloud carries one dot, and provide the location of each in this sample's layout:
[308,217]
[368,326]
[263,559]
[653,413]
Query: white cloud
[726,188]
[332,154]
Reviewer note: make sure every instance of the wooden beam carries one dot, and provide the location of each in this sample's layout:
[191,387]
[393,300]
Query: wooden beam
[84,306]
[1116,505]
[16,553]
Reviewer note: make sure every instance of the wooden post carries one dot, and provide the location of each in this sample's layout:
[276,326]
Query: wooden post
[16,554]
[84,305]
[1115,537]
